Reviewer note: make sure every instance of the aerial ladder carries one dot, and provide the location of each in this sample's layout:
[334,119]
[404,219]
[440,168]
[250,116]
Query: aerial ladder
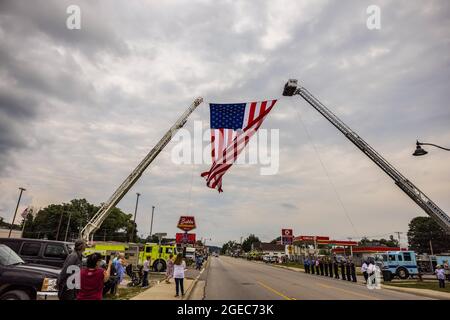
[99,217]
[292,88]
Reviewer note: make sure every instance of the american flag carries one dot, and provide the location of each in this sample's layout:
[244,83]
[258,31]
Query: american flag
[232,126]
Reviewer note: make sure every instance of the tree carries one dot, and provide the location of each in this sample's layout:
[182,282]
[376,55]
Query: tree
[391,242]
[229,246]
[247,243]
[422,230]
[52,222]
[274,241]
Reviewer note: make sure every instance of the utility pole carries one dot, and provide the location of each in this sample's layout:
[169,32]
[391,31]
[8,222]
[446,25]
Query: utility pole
[135,213]
[15,212]
[68,224]
[398,236]
[151,223]
[59,225]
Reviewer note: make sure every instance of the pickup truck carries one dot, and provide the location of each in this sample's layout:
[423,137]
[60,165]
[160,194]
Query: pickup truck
[23,281]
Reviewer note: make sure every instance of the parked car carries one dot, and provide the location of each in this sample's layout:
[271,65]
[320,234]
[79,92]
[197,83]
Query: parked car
[37,251]
[23,281]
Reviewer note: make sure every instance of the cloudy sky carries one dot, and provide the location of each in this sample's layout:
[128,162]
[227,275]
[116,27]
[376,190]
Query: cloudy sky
[79,109]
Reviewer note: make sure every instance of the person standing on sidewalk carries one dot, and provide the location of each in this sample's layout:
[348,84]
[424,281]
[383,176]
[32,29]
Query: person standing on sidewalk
[446,270]
[348,270]
[313,265]
[179,267]
[92,278]
[320,264]
[73,259]
[342,265]
[306,264]
[364,271]
[353,270]
[336,268]
[169,270]
[440,274]
[146,269]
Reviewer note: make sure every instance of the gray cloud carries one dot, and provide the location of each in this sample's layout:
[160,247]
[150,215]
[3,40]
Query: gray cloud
[80,108]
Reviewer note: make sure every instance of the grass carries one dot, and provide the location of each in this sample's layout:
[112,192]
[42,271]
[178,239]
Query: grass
[125,293]
[430,285]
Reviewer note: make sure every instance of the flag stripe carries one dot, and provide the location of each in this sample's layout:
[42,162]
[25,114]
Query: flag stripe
[227,144]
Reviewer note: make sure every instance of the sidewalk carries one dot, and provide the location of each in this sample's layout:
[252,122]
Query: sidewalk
[166,291]
[163,291]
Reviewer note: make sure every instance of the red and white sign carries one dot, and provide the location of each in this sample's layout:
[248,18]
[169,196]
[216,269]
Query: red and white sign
[286,236]
[186,223]
[311,238]
[185,238]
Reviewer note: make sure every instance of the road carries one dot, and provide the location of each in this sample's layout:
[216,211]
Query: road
[231,278]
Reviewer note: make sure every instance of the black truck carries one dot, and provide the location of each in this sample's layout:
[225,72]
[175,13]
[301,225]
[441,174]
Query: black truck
[23,281]
[38,251]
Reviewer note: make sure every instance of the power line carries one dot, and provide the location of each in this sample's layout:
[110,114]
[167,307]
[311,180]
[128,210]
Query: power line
[326,172]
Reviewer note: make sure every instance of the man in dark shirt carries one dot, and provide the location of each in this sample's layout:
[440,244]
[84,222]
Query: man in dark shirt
[336,268]
[353,270]
[342,264]
[347,270]
[73,259]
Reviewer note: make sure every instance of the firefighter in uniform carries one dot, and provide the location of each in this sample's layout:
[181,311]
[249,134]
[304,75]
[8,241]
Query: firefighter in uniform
[321,266]
[336,268]
[347,270]
[325,265]
[353,270]
[330,267]
[342,264]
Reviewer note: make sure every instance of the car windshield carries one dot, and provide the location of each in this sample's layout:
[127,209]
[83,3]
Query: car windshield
[8,256]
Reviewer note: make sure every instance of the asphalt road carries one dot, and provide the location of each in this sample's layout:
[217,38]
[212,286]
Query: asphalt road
[231,278]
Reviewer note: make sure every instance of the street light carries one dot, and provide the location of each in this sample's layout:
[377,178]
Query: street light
[15,212]
[135,213]
[421,152]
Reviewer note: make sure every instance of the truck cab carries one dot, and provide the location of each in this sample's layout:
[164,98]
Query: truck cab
[402,264]
[159,255]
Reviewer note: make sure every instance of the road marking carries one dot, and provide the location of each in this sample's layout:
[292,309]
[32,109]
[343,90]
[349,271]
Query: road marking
[275,291]
[348,291]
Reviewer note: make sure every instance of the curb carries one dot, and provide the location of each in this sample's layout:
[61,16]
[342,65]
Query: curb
[418,292]
[189,290]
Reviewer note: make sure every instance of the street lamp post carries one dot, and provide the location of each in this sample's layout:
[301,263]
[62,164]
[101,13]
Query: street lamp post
[151,223]
[68,224]
[421,152]
[15,212]
[135,213]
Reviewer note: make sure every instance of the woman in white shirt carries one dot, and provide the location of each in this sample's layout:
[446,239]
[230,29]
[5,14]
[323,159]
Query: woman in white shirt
[179,267]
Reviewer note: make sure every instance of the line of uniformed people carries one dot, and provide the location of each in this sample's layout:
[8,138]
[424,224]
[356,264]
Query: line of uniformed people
[330,267]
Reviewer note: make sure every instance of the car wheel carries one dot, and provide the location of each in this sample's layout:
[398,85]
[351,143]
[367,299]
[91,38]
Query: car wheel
[402,273]
[15,295]
[159,266]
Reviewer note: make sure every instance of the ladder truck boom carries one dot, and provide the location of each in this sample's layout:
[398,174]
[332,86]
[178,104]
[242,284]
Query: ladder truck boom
[292,88]
[99,217]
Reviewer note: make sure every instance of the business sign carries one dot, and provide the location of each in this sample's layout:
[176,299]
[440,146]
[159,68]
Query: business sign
[185,238]
[286,236]
[311,238]
[186,223]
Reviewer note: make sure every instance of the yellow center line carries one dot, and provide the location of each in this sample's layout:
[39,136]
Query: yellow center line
[275,291]
[348,291]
